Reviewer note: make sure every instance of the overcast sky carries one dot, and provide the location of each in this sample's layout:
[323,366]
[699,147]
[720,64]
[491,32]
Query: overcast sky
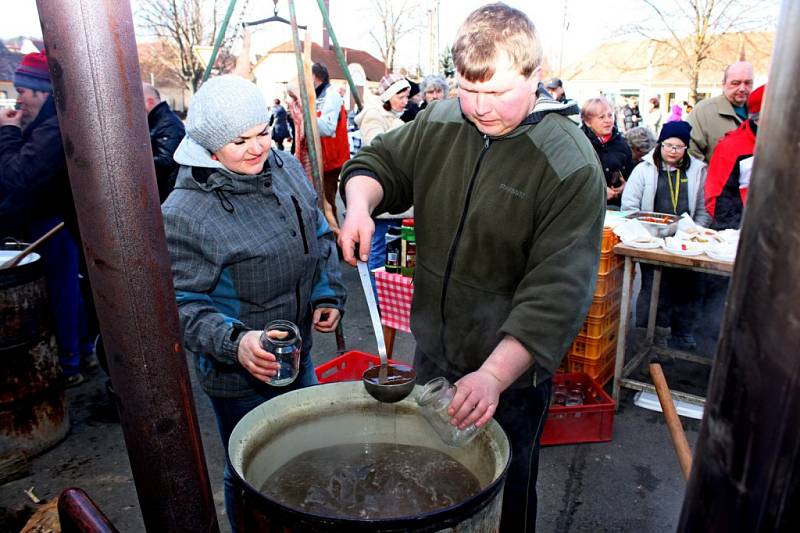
[587,27]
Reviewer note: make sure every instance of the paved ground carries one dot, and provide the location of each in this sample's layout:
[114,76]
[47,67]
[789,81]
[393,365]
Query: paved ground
[632,483]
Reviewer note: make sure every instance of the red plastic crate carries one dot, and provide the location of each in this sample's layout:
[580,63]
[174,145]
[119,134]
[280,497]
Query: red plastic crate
[590,422]
[347,367]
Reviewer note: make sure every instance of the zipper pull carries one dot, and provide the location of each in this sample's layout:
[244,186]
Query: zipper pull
[486,141]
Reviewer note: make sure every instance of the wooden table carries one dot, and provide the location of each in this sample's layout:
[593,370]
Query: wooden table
[658,258]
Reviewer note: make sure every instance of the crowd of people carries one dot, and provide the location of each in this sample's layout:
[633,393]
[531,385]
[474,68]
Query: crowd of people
[501,171]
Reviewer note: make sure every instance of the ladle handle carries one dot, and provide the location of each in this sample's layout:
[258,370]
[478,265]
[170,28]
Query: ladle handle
[14,261]
[372,305]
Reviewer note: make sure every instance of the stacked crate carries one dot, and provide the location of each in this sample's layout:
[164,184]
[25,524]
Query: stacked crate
[594,349]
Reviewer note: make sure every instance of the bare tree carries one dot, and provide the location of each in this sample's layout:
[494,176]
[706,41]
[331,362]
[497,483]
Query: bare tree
[182,25]
[395,21]
[690,29]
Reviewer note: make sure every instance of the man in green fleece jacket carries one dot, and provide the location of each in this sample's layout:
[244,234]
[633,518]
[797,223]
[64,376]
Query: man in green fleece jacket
[509,200]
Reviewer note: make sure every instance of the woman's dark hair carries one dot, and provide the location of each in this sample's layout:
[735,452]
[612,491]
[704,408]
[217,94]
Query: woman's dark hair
[387,105]
[321,72]
[683,164]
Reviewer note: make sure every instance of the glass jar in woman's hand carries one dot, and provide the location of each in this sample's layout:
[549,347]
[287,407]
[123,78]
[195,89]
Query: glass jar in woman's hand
[434,400]
[282,339]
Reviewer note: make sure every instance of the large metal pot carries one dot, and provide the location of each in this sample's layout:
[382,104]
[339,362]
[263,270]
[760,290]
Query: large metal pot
[341,413]
[33,414]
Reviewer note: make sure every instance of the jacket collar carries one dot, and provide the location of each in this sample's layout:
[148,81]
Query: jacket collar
[725,108]
[545,105]
[222,179]
[156,112]
[47,111]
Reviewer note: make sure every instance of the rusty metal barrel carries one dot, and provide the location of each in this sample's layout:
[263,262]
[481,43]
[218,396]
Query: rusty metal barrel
[33,414]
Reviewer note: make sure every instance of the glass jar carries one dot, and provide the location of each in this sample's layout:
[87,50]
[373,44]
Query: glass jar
[434,399]
[282,339]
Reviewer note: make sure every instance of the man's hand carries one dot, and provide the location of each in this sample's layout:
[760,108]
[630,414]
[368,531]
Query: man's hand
[255,359]
[611,193]
[476,399]
[326,319]
[11,117]
[358,228]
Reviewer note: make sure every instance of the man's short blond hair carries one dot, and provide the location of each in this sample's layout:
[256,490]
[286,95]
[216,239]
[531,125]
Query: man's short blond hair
[489,30]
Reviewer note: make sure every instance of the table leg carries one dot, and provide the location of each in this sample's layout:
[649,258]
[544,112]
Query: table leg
[388,334]
[651,316]
[625,312]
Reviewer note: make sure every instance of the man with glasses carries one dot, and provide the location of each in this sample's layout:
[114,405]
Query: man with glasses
[711,119]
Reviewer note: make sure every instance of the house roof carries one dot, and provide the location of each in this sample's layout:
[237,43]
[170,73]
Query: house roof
[374,68]
[636,60]
[8,62]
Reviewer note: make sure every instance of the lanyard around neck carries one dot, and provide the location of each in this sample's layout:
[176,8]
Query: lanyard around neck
[674,191]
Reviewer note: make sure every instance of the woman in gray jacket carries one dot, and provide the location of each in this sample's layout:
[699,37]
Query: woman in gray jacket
[248,246]
[669,180]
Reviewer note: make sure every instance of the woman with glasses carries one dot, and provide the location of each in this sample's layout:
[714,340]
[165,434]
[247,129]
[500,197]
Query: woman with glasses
[615,156]
[669,180]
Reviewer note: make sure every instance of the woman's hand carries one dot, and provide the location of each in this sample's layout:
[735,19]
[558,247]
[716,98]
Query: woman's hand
[611,193]
[255,359]
[326,319]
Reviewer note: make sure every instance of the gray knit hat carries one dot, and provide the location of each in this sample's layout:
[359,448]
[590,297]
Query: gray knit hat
[222,109]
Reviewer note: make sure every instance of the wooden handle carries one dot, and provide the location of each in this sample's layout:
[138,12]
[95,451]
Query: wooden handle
[31,247]
[674,425]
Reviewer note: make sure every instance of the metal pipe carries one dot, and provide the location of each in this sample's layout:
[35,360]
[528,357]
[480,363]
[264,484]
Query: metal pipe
[94,67]
[340,55]
[218,40]
[745,475]
[77,513]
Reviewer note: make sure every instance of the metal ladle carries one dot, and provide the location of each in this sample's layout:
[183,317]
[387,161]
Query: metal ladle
[386,383]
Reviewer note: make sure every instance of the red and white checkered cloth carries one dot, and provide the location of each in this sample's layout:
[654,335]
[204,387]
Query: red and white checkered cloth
[394,299]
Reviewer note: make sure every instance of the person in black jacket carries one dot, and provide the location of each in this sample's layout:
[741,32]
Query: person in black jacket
[166,133]
[278,121]
[615,155]
[35,196]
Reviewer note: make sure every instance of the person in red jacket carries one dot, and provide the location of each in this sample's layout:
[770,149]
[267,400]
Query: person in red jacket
[728,171]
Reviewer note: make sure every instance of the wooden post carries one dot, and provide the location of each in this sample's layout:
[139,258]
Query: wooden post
[745,475]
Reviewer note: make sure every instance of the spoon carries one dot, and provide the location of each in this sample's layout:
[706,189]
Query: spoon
[386,383]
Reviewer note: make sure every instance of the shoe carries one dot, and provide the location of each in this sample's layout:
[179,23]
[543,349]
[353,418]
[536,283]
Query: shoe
[74,380]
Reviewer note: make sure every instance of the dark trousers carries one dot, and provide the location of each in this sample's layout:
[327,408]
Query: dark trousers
[61,262]
[521,414]
[678,299]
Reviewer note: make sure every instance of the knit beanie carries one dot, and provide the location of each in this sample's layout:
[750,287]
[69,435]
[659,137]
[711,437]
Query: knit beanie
[32,73]
[224,108]
[678,129]
[754,101]
[390,85]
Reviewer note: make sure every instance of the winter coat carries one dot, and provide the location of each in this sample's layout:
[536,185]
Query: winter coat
[615,156]
[166,133]
[711,119]
[246,250]
[34,183]
[640,192]
[724,197]
[508,231]
[280,127]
